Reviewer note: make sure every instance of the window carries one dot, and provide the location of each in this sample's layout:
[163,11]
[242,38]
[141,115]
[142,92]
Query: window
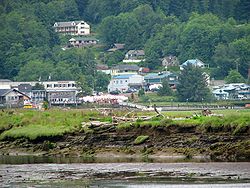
[121,82]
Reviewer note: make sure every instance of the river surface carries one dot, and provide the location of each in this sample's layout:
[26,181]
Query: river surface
[33,173]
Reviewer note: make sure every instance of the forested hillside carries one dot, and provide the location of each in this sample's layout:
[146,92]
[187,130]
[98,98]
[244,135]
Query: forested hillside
[215,31]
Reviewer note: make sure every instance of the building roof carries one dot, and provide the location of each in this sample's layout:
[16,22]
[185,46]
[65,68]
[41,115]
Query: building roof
[119,46]
[219,92]
[123,67]
[82,39]
[102,67]
[24,87]
[4,91]
[170,60]
[136,52]
[5,80]
[158,75]
[116,46]
[126,76]
[68,24]
[195,62]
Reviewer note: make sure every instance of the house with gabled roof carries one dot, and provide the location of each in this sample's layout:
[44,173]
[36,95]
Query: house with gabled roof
[72,28]
[170,61]
[116,46]
[12,98]
[194,62]
[134,56]
[157,78]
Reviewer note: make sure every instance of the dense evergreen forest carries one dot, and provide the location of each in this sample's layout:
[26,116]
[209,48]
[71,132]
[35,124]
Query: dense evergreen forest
[214,31]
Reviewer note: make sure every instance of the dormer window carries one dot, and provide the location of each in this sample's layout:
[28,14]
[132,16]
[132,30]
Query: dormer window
[73,23]
[56,24]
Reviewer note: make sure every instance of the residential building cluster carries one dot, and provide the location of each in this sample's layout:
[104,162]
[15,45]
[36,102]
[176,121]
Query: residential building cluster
[235,91]
[130,77]
[15,94]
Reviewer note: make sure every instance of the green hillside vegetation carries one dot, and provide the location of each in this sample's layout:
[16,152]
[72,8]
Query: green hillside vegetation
[216,32]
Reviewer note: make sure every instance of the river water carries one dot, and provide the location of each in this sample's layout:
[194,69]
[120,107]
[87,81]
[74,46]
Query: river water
[45,172]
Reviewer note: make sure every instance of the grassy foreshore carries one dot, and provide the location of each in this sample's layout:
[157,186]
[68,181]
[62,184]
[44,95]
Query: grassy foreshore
[64,132]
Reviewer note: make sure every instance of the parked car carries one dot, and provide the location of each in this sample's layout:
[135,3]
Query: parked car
[116,92]
[131,90]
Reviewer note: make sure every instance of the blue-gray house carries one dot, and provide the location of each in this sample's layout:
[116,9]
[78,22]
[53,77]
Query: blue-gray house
[157,78]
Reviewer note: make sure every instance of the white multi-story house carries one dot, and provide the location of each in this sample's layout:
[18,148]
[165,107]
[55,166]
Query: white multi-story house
[123,82]
[61,92]
[72,28]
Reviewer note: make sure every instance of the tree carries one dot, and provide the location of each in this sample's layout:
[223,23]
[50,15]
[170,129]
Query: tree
[101,81]
[113,58]
[141,92]
[35,70]
[193,85]
[38,87]
[234,77]
[83,84]
[223,60]
[199,37]
[165,90]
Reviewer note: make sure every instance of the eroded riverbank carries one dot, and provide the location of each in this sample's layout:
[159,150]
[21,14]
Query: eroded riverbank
[162,142]
[91,134]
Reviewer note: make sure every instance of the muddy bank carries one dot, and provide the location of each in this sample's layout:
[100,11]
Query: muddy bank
[158,142]
[40,174]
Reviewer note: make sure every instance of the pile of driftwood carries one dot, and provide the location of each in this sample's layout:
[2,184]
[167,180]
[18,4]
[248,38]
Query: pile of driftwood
[95,124]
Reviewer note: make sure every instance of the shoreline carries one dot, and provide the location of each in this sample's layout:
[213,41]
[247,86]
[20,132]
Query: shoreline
[111,173]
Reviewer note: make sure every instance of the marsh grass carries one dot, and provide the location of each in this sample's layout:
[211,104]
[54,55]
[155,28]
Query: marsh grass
[35,124]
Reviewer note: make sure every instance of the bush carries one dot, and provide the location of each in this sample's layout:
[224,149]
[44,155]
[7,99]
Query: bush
[144,98]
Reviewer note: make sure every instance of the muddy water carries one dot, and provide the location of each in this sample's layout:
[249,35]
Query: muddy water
[124,174]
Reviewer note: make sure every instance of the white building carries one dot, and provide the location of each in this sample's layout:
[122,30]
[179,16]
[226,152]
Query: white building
[82,41]
[72,28]
[123,82]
